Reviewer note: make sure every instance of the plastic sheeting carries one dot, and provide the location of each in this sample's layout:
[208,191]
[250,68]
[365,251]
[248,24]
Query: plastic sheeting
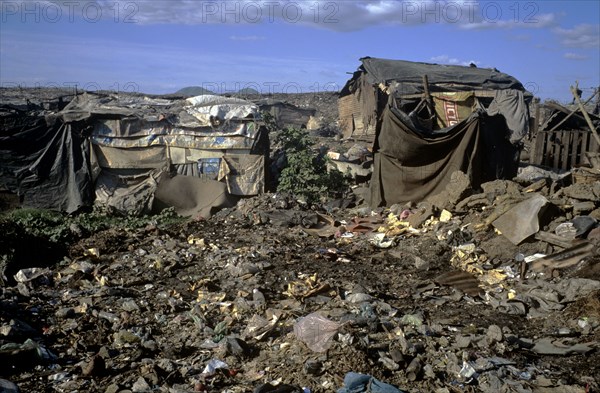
[208,106]
[129,192]
[244,175]
[441,77]
[44,161]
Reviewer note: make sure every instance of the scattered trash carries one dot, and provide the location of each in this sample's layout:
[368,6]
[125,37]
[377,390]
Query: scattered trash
[316,331]
[361,383]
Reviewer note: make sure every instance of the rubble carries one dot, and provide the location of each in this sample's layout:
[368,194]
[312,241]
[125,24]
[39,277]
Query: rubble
[275,295]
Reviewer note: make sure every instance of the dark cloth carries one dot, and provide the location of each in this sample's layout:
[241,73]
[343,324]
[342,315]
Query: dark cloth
[410,166]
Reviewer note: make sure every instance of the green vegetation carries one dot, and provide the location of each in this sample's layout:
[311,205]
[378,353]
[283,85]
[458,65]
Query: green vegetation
[306,174]
[60,228]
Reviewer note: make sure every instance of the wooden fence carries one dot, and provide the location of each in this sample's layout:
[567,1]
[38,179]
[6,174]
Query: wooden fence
[562,149]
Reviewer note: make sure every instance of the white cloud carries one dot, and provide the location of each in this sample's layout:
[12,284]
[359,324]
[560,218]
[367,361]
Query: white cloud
[333,15]
[445,59]
[534,21]
[575,56]
[580,36]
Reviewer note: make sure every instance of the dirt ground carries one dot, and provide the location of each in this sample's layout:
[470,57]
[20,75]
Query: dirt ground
[148,310]
[227,304]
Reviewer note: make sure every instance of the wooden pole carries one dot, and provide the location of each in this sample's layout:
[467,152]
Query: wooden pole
[572,113]
[586,115]
[430,108]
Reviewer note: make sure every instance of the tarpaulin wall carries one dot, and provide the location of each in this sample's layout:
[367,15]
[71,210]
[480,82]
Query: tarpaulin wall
[409,166]
[45,162]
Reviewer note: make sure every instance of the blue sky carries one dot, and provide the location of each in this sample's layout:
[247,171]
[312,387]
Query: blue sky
[292,46]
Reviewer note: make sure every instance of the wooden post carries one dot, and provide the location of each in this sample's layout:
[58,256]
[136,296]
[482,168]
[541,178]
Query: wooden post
[428,99]
[585,114]
[573,112]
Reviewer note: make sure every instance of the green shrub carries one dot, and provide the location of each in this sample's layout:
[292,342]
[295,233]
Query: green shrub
[305,174]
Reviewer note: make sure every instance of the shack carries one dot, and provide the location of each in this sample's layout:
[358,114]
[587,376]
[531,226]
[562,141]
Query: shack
[134,153]
[426,121]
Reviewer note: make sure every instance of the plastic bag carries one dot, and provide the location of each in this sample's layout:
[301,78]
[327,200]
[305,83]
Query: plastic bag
[316,331]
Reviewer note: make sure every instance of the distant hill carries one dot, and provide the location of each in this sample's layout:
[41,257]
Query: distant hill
[247,91]
[192,91]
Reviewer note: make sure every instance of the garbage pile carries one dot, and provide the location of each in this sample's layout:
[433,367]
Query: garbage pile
[491,290]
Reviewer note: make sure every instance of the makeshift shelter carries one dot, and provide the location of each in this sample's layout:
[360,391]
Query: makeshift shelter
[287,115]
[121,148]
[427,121]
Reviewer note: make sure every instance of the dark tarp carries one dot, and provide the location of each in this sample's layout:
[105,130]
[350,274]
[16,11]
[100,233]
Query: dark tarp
[453,77]
[44,161]
[410,166]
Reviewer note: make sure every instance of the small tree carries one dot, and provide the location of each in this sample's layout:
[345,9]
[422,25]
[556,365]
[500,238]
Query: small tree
[305,173]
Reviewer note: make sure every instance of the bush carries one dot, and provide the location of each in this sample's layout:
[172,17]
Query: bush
[305,174]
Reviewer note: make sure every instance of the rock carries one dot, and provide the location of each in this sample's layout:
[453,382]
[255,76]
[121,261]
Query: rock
[463,341]
[595,214]
[124,337]
[359,298]
[423,211]
[583,224]
[65,312]
[494,334]
[582,191]
[501,187]
[583,207]
[166,365]
[234,346]
[112,388]
[313,367]
[421,264]
[140,386]
[457,189]
[95,367]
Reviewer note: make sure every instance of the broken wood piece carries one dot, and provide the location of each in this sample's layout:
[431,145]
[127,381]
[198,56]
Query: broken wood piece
[567,258]
[585,114]
[553,239]
[571,114]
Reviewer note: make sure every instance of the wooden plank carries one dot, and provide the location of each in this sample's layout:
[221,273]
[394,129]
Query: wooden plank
[547,149]
[594,146]
[556,149]
[553,239]
[568,137]
[576,141]
[584,146]
[585,114]
[538,152]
